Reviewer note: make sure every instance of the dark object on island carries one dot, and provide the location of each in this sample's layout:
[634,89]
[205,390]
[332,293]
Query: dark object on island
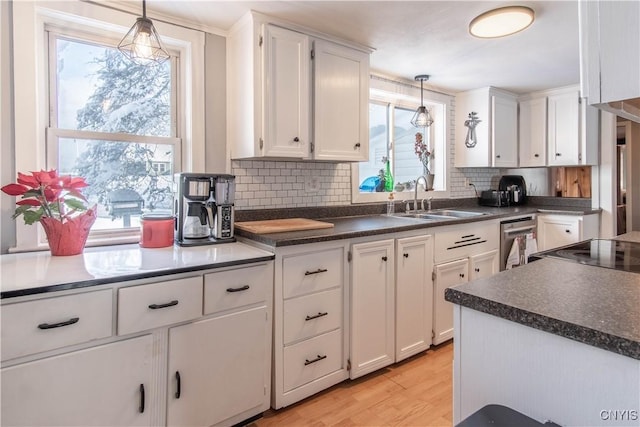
[500,416]
[494,198]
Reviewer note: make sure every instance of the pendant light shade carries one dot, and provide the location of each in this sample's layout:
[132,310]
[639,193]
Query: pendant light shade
[422,118]
[142,43]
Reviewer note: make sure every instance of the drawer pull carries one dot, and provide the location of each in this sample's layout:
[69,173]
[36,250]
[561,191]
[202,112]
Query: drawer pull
[58,325]
[384,258]
[320,270]
[240,289]
[141,408]
[316,316]
[317,359]
[169,304]
[178,384]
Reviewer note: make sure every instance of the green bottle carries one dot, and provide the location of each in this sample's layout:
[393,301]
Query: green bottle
[388,178]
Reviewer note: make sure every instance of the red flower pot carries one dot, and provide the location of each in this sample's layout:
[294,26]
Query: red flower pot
[69,237]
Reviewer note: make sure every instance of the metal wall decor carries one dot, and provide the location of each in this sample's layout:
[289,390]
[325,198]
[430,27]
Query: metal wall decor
[471,123]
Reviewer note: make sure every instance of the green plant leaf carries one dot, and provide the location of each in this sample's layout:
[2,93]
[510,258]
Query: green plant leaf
[75,204]
[32,216]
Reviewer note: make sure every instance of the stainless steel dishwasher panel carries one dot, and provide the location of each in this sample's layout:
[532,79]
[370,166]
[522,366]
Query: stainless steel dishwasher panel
[509,230]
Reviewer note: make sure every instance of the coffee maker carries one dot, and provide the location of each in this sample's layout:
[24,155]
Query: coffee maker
[203,206]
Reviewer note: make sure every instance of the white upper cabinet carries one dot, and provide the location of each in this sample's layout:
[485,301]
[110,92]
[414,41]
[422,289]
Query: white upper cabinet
[341,102]
[533,132]
[572,130]
[609,50]
[278,106]
[496,134]
[286,98]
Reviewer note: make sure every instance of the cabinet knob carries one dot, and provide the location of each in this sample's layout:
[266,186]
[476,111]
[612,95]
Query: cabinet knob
[497,156]
[536,155]
[558,154]
[477,270]
[405,255]
[296,139]
[462,275]
[567,231]
[384,258]
[357,146]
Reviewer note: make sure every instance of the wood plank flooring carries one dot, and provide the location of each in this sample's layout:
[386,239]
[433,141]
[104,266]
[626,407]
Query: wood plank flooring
[414,392]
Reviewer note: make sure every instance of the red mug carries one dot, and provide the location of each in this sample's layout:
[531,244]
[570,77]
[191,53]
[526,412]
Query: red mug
[156,230]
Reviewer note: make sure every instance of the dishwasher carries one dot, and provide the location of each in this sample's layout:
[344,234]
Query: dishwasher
[511,230]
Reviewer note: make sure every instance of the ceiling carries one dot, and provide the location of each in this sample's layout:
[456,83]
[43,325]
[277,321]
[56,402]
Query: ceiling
[423,37]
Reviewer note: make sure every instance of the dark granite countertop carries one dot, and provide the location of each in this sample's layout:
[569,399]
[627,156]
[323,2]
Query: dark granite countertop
[346,227]
[592,305]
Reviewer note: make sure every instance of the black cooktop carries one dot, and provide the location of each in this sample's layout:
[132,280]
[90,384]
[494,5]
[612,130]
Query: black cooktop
[613,254]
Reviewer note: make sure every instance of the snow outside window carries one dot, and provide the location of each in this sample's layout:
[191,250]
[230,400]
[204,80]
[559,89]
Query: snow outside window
[113,122]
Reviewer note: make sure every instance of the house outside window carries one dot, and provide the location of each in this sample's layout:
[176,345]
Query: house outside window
[392,144]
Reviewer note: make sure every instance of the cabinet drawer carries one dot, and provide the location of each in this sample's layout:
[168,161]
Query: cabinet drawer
[464,241]
[46,324]
[159,304]
[229,289]
[311,315]
[312,272]
[312,359]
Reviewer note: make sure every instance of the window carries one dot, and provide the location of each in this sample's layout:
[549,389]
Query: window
[112,122]
[53,129]
[392,145]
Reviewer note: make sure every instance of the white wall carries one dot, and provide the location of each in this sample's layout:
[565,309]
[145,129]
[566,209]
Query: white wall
[7,149]
[215,104]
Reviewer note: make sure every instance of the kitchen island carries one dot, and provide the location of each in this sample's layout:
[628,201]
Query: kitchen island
[553,340]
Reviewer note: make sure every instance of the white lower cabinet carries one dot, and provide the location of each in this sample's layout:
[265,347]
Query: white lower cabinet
[447,275]
[310,321]
[461,253]
[560,230]
[217,368]
[372,306]
[110,384]
[190,350]
[414,295]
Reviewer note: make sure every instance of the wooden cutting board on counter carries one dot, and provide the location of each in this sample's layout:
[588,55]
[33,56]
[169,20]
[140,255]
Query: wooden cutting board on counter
[281,225]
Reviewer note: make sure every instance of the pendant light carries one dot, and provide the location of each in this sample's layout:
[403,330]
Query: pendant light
[142,43]
[422,118]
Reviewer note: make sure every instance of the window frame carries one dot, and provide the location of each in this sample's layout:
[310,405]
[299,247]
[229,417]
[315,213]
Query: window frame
[409,101]
[31,103]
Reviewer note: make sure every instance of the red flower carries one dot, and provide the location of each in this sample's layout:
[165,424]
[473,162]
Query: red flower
[45,194]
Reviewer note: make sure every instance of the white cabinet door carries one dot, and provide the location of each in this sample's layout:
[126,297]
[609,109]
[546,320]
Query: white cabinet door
[533,132]
[414,295]
[447,275]
[107,385]
[372,307]
[496,143]
[218,368]
[484,265]
[504,131]
[341,103]
[555,231]
[564,127]
[287,93]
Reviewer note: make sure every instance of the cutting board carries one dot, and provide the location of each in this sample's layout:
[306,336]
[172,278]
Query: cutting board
[281,225]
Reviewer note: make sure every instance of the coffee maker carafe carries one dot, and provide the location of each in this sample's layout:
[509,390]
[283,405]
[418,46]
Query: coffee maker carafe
[197,214]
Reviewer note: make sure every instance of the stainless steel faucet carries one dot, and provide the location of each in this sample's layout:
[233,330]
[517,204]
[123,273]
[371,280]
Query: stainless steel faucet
[415,192]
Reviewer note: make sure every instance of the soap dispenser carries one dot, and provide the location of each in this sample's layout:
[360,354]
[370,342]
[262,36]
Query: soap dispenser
[390,205]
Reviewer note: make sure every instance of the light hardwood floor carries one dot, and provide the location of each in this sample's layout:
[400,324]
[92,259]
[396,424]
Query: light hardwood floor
[414,392]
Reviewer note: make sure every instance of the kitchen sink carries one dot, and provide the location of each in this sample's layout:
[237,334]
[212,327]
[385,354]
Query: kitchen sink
[456,213]
[424,216]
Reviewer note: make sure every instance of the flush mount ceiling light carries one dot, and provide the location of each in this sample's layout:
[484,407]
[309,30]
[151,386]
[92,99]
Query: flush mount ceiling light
[422,118]
[142,43]
[501,22]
